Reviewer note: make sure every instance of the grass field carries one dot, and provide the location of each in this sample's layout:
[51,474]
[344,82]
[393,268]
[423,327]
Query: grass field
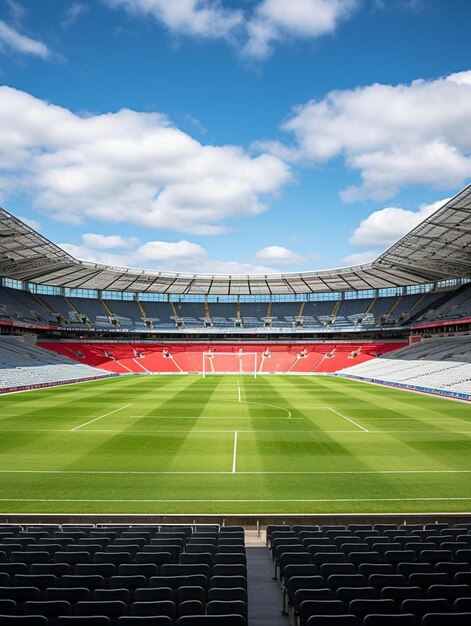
[233,444]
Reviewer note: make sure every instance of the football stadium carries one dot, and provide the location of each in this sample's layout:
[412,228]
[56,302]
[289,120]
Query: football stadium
[199,425]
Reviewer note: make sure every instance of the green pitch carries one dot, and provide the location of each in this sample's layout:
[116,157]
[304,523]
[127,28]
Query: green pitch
[233,444]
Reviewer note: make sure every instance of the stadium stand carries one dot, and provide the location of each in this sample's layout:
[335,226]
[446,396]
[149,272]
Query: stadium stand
[442,364]
[458,306]
[150,357]
[388,574]
[360,314]
[375,574]
[123,574]
[25,365]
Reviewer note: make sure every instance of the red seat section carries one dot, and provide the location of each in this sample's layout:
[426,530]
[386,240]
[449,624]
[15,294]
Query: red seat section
[146,357]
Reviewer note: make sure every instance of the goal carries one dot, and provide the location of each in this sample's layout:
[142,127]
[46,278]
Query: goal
[229,363]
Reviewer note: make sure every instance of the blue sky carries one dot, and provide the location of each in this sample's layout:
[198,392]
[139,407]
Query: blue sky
[224,136]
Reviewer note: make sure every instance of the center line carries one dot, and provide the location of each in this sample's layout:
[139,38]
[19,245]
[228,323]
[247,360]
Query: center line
[234,456]
[348,419]
[100,417]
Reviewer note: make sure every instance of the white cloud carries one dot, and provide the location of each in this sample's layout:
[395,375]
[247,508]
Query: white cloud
[254,31]
[277,20]
[184,256]
[202,18]
[166,251]
[73,12]
[383,228]
[278,254]
[360,258]
[419,133]
[12,39]
[31,223]
[108,242]
[128,167]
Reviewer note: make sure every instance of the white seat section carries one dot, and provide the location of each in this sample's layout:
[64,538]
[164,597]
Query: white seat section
[443,364]
[23,364]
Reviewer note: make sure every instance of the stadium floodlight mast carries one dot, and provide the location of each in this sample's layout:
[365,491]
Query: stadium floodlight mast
[229,363]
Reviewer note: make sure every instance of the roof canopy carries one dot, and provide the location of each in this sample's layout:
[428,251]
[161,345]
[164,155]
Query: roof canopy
[437,249]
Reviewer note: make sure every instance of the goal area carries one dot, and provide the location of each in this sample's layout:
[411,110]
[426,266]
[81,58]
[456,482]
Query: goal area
[229,363]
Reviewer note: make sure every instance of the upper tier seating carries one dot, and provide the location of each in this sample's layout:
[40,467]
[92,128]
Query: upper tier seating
[443,364]
[23,364]
[335,315]
[456,307]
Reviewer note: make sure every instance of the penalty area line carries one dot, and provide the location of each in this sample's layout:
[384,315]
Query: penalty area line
[100,417]
[348,419]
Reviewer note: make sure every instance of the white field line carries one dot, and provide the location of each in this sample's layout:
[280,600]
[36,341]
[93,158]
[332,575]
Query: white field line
[348,420]
[192,500]
[234,454]
[100,417]
[238,391]
[219,417]
[185,473]
[140,433]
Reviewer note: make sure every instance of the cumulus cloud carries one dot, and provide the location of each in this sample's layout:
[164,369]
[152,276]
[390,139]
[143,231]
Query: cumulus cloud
[383,228]
[180,255]
[359,258]
[128,167]
[12,40]
[30,222]
[418,133]
[108,242]
[278,20]
[202,18]
[255,30]
[278,254]
[73,13]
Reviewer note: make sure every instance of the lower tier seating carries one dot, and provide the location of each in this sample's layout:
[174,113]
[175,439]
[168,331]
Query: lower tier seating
[374,575]
[443,364]
[105,575]
[24,364]
[148,357]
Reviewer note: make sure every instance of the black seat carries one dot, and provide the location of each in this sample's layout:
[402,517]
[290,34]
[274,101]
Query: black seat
[227,607]
[112,608]
[93,620]
[332,620]
[320,607]
[211,620]
[191,607]
[49,608]
[362,608]
[105,595]
[153,594]
[347,594]
[23,620]
[7,607]
[450,592]
[160,607]
[450,619]
[134,620]
[71,594]
[398,619]
[401,593]
[420,607]
[89,582]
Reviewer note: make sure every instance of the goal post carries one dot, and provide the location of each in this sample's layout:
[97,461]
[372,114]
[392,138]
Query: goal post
[229,363]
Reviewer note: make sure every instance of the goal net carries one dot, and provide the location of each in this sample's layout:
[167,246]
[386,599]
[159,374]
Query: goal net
[229,363]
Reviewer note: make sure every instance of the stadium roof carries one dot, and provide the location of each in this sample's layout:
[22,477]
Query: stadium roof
[439,248]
